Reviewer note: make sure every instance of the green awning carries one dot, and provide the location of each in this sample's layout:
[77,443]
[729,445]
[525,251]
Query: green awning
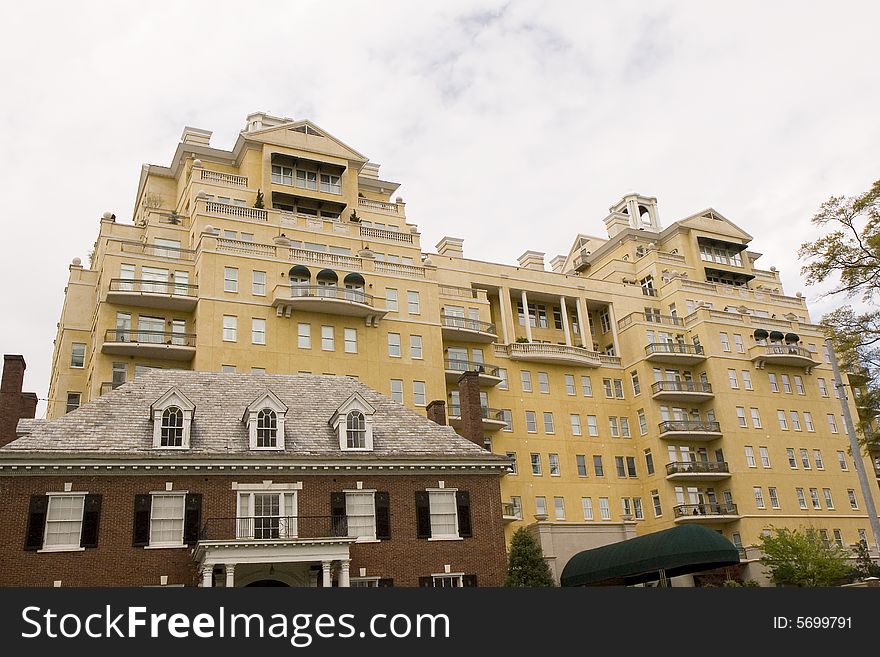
[677,551]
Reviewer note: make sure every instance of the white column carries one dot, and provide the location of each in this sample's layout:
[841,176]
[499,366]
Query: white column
[344,565]
[584,324]
[564,312]
[230,575]
[504,309]
[527,316]
[613,320]
[325,571]
[207,576]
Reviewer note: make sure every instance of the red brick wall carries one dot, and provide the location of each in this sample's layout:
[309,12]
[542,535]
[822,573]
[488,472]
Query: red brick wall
[116,563]
[14,404]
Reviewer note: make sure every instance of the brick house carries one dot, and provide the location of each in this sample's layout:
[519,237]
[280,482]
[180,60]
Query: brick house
[215,479]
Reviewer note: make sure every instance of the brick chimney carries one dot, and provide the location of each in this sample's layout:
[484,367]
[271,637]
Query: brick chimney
[437,412]
[471,409]
[14,404]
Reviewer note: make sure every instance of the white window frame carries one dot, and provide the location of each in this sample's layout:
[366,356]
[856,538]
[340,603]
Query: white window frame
[181,495]
[328,338]
[63,547]
[349,495]
[73,354]
[230,279]
[304,335]
[435,493]
[258,331]
[350,340]
[230,328]
[258,287]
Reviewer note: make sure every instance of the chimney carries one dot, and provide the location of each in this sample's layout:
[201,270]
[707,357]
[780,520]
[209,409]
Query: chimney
[558,264]
[437,412]
[14,404]
[471,409]
[531,260]
[452,247]
[196,136]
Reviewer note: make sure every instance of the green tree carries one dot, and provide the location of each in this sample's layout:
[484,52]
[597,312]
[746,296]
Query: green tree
[259,202]
[525,563]
[865,565]
[848,256]
[801,558]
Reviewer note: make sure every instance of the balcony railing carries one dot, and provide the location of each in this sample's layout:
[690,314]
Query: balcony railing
[491,414]
[388,235]
[157,250]
[673,348]
[269,528]
[689,426]
[510,510]
[697,467]
[666,320]
[356,295]
[154,287]
[785,350]
[400,269]
[455,365]
[682,386]
[151,337]
[239,211]
[224,178]
[454,321]
[455,291]
[381,206]
[545,351]
[707,509]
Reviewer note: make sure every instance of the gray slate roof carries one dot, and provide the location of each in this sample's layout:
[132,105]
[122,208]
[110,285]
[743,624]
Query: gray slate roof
[118,423]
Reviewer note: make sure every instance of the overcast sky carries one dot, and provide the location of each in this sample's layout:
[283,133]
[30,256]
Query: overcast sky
[514,125]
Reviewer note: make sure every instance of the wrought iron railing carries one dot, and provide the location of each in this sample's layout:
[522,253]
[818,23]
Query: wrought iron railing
[697,467]
[273,528]
[456,365]
[151,337]
[681,386]
[689,426]
[707,509]
[354,294]
[454,321]
[673,348]
[154,287]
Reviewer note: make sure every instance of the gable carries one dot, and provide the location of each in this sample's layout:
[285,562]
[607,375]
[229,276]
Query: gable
[306,136]
[173,397]
[267,399]
[712,221]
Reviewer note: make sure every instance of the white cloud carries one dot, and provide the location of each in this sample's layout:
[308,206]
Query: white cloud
[497,117]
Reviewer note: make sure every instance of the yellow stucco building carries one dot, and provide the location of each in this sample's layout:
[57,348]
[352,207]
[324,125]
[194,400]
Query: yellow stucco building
[652,377]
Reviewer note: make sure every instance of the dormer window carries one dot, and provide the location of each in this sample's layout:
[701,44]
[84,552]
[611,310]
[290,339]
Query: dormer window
[265,421]
[267,428]
[353,423]
[172,416]
[356,430]
[172,427]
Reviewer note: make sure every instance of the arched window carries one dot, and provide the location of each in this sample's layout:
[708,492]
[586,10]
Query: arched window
[327,282]
[356,430]
[267,428]
[299,277]
[172,427]
[354,287]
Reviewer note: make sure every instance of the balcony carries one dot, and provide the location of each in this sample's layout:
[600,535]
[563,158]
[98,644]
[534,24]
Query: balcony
[380,206]
[464,329]
[327,299]
[689,430]
[785,355]
[510,512]
[674,352]
[397,236]
[153,294]
[487,374]
[545,352]
[684,391]
[710,512]
[697,470]
[225,179]
[493,418]
[166,345]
